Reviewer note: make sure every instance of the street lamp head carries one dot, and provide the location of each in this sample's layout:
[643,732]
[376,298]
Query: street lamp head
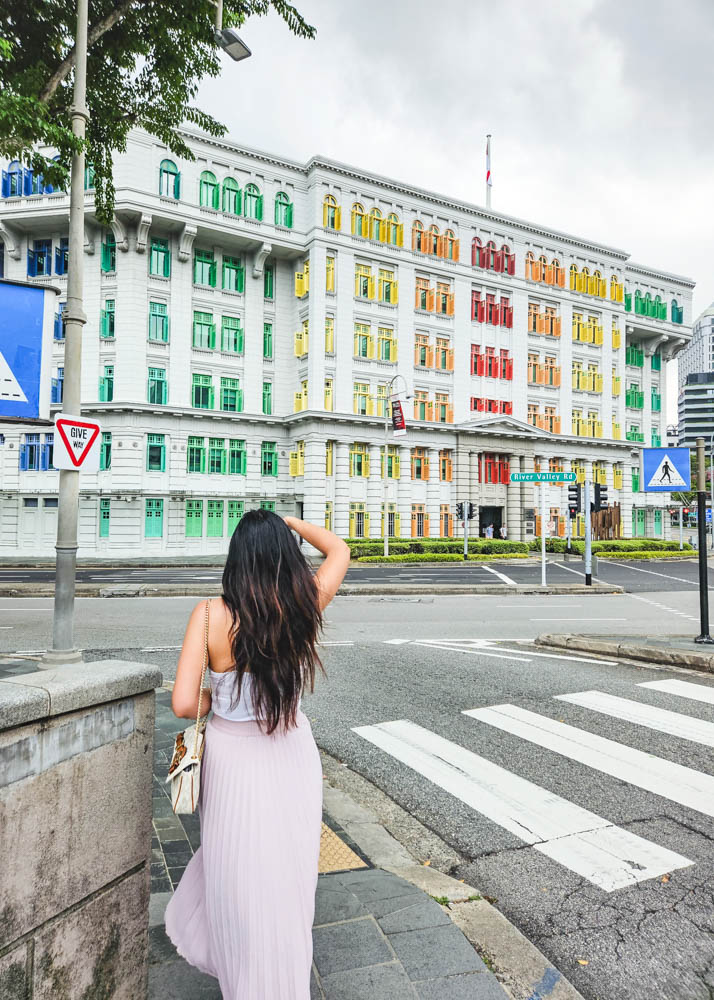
[230,42]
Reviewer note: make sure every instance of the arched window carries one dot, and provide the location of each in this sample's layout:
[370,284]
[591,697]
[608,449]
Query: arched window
[657,308]
[376,225]
[540,268]
[359,220]
[477,252]
[491,255]
[614,288]
[677,312]
[648,305]
[208,190]
[449,244]
[49,188]
[639,303]
[509,259]
[530,261]
[433,240]
[169,180]
[573,278]
[417,235]
[252,203]
[88,176]
[597,285]
[14,174]
[394,230]
[558,272]
[283,210]
[331,213]
[231,200]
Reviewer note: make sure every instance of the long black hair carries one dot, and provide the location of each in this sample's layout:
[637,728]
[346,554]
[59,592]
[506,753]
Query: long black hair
[274,603]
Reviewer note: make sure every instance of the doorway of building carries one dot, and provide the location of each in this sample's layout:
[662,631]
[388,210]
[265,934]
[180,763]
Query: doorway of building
[490,517]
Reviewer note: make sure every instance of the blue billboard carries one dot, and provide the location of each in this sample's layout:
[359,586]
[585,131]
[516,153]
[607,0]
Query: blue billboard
[21,330]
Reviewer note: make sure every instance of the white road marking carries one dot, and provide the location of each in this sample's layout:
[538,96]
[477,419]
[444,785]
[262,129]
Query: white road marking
[157,649]
[27,652]
[577,619]
[600,852]
[501,576]
[395,642]
[561,656]
[652,572]
[477,652]
[662,607]
[660,719]
[683,689]
[480,643]
[26,611]
[336,642]
[5,627]
[569,568]
[672,781]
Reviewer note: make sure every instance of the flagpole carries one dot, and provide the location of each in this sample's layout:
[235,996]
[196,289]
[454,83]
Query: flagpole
[488,170]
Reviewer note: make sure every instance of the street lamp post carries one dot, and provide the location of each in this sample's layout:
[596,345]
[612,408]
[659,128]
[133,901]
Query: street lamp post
[388,398]
[63,650]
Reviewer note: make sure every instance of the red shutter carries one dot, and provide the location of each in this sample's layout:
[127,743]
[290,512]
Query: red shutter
[509,368]
[498,261]
[481,404]
[496,315]
[508,320]
[474,303]
[475,249]
[508,408]
[511,263]
[481,311]
[480,365]
[474,358]
[504,470]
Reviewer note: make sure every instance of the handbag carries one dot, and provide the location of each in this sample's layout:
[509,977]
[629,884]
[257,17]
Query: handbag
[185,769]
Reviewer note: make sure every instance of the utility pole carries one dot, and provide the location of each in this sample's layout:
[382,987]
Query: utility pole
[63,650]
[704,638]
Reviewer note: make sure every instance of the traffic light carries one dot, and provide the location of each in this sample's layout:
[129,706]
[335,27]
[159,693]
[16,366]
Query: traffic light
[459,512]
[472,511]
[574,499]
[600,497]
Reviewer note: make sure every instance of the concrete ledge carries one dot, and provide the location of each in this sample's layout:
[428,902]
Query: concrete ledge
[631,651]
[28,697]
[522,969]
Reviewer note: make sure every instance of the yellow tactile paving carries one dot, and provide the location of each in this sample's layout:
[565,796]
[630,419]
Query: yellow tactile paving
[335,855]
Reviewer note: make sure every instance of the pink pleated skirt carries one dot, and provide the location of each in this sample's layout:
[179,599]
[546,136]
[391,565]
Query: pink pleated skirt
[244,908]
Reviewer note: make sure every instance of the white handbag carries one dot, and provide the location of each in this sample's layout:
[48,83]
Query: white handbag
[185,769]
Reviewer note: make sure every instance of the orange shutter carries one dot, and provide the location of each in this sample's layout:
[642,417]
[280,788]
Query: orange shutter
[414,525]
[450,360]
[426,525]
[449,414]
[430,299]
[425,468]
[456,249]
[450,304]
[430,357]
[429,410]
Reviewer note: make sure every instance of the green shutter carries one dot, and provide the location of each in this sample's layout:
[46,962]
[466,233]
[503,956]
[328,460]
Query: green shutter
[194,518]
[154,518]
[267,340]
[215,519]
[289,215]
[235,513]
[104,517]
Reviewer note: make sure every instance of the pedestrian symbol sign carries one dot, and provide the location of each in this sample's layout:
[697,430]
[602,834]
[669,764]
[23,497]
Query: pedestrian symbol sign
[76,443]
[666,469]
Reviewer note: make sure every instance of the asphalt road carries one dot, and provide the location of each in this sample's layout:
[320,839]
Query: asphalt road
[601,852]
[635,577]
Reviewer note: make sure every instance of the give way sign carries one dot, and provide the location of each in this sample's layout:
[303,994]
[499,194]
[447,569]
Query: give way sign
[76,443]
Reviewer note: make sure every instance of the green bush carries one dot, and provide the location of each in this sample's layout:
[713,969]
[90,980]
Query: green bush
[660,554]
[611,544]
[438,557]
[374,547]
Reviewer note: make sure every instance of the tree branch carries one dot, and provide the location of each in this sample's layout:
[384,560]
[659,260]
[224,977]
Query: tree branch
[94,34]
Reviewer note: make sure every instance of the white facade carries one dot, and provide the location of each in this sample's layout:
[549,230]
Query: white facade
[576,378]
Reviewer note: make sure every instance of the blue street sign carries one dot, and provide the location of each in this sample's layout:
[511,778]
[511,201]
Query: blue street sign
[21,330]
[665,470]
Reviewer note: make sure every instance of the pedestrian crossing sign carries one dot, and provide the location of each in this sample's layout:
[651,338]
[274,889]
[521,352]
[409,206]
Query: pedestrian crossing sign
[666,469]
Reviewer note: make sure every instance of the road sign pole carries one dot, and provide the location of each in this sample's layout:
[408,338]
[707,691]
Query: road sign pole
[588,534]
[703,637]
[63,650]
[681,526]
[542,535]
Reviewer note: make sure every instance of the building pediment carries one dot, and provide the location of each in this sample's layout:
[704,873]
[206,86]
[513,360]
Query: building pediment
[501,424]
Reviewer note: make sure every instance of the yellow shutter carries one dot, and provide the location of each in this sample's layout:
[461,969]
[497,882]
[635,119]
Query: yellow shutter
[365,467]
[371,346]
[398,525]
[324,215]
[371,287]
[294,463]
[370,406]
[380,289]
[395,293]
[338,218]
[381,235]
[366,525]
[396,467]
[352,524]
[393,349]
[357,277]
[400,234]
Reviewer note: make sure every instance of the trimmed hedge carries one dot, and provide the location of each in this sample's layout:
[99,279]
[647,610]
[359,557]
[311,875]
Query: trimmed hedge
[438,557]
[664,554]
[373,547]
[610,544]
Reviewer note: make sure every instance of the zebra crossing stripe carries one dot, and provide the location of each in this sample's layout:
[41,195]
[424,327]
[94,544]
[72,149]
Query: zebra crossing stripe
[672,781]
[683,689]
[661,719]
[587,844]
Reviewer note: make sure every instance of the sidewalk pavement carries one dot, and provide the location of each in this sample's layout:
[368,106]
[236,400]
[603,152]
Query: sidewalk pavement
[670,650]
[375,935]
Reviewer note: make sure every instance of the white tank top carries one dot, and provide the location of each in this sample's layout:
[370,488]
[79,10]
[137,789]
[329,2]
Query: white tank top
[222,689]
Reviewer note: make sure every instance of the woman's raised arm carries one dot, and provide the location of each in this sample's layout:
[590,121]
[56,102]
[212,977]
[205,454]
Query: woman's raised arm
[337,556]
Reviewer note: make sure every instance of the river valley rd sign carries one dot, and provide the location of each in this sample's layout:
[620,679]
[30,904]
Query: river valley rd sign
[543,477]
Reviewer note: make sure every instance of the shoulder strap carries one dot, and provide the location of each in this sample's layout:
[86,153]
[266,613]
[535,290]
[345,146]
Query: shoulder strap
[203,674]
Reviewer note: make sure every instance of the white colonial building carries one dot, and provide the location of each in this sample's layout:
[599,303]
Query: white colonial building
[246,314]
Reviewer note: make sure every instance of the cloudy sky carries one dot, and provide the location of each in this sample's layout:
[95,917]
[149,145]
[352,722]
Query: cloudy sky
[600,110]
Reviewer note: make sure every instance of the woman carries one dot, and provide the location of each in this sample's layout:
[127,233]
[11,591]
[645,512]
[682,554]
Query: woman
[243,910]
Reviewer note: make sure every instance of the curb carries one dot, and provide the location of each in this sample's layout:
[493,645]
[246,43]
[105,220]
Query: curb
[523,971]
[630,651]
[346,590]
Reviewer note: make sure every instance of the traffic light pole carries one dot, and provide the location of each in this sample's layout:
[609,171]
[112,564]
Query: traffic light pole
[588,534]
[703,638]
[466,529]
[542,535]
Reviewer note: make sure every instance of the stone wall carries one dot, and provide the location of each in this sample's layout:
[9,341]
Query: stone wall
[76,748]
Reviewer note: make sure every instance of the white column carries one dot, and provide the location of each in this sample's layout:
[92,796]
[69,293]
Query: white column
[341,508]
[316,318]
[433,493]
[374,491]
[404,492]
[514,512]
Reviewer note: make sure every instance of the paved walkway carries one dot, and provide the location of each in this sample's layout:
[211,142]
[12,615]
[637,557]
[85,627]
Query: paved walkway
[375,936]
